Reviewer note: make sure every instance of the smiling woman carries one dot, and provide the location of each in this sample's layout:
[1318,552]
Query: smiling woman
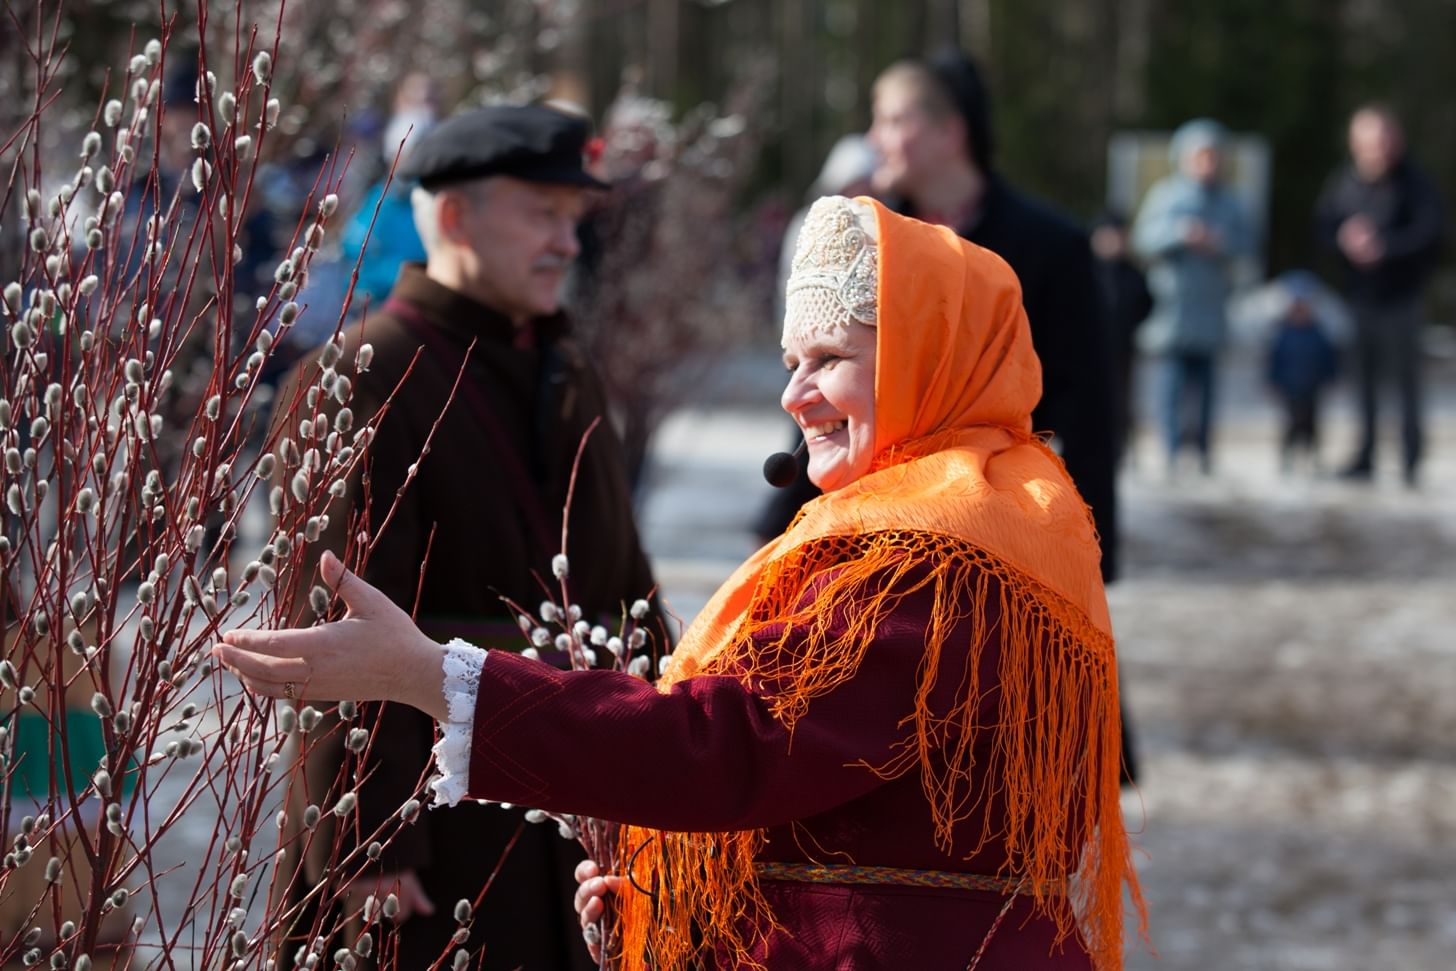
[891,738]
[830,342]
[831,394]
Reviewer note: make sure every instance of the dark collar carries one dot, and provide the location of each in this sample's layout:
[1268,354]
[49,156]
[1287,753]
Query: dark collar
[463,317]
[991,201]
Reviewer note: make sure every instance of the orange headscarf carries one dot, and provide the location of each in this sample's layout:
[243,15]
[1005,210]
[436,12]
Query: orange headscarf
[959,491]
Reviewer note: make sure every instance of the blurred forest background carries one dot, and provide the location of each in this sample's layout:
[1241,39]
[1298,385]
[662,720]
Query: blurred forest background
[1064,75]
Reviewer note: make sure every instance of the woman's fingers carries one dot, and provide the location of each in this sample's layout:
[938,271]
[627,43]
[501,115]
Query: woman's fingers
[590,899]
[318,655]
[591,911]
[275,643]
[361,599]
[590,902]
[332,570]
[263,668]
[264,689]
[582,897]
[375,653]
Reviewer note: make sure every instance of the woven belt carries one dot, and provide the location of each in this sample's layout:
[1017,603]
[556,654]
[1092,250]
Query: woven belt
[886,876]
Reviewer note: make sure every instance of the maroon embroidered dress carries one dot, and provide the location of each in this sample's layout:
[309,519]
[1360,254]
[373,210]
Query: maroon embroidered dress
[591,742]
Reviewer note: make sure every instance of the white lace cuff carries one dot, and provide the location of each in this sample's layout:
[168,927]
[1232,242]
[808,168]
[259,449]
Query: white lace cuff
[463,663]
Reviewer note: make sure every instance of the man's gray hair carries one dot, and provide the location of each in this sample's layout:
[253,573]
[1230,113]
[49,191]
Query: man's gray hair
[427,217]
[426,208]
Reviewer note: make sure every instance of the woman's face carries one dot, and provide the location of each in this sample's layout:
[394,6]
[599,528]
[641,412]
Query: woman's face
[831,395]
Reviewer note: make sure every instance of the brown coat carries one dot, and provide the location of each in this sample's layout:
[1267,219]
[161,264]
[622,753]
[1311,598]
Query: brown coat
[461,538]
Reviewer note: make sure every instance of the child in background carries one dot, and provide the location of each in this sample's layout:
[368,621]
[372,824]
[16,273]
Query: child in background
[1302,363]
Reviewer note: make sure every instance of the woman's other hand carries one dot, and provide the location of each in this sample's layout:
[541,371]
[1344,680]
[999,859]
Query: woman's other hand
[591,904]
[374,654]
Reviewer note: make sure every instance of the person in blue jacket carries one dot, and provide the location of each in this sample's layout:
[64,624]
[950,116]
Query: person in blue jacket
[1191,231]
[1303,361]
[385,219]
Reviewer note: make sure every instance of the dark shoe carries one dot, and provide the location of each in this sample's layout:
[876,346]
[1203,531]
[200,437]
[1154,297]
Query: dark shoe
[1357,472]
[1412,477]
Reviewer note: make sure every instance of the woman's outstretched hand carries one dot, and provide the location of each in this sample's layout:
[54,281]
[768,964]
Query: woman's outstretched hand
[591,904]
[374,654]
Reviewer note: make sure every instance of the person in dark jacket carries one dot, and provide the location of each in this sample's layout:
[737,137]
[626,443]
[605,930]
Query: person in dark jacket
[932,129]
[498,195]
[1127,303]
[1382,217]
[1303,361]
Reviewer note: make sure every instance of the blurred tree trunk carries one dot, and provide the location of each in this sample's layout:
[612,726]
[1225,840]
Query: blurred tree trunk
[1127,38]
[796,90]
[942,24]
[662,47]
[975,28]
[571,76]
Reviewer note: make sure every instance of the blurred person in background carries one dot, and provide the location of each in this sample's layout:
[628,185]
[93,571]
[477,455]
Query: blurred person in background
[391,235]
[1127,303]
[847,171]
[379,236]
[1192,231]
[1303,361]
[932,130]
[1383,218]
[624,158]
[497,194]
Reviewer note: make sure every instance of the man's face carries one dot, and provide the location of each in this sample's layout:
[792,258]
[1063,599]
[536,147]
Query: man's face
[1203,164]
[1109,242]
[1374,144]
[911,144]
[519,239]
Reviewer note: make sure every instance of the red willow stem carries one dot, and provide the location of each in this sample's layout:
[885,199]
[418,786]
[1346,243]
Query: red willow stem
[122,540]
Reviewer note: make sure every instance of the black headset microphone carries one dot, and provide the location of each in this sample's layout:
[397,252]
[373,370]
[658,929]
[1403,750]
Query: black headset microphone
[782,468]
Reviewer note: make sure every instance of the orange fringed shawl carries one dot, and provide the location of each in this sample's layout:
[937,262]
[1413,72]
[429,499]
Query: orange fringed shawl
[960,494]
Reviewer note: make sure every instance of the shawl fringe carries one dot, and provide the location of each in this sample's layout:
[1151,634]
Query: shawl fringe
[1054,754]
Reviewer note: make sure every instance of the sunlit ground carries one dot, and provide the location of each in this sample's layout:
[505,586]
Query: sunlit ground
[1289,650]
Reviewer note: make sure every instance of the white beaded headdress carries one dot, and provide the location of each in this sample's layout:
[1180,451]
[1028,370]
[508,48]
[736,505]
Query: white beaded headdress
[834,277]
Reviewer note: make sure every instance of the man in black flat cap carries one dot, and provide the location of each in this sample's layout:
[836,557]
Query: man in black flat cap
[498,196]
